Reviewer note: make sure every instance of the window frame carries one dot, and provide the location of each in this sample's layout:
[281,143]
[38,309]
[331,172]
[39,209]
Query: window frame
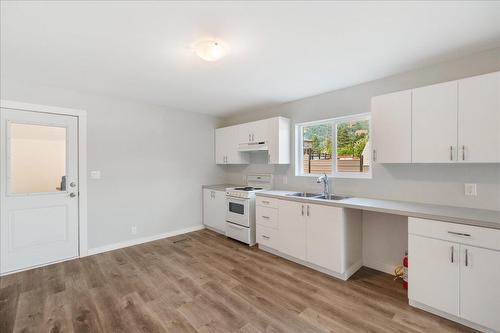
[333,122]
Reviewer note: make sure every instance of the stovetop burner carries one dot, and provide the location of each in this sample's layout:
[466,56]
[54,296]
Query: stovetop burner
[247,188]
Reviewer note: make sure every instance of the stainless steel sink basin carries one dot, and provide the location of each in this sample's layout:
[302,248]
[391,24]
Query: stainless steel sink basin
[334,197]
[305,195]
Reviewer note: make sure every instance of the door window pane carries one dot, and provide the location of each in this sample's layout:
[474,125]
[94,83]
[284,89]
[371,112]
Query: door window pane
[317,149]
[37,158]
[353,154]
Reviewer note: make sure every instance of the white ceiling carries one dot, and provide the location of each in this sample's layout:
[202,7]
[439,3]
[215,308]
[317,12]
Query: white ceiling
[280,51]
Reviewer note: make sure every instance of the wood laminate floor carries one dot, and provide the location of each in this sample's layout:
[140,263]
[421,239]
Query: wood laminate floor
[203,282]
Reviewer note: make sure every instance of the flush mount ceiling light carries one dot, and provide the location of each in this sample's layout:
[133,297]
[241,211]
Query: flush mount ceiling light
[210,50]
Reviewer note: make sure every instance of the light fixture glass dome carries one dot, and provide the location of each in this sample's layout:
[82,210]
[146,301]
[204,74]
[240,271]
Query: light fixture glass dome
[210,50]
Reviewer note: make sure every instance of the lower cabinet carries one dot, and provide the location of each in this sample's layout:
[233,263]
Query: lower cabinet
[314,234]
[433,270]
[325,237]
[455,269]
[292,228]
[479,286]
[214,209]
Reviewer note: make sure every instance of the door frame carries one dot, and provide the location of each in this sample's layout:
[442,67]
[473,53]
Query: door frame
[81,116]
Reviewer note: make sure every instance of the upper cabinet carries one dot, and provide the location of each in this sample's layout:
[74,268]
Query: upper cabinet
[391,127]
[226,147]
[434,129]
[272,136]
[451,122]
[479,119]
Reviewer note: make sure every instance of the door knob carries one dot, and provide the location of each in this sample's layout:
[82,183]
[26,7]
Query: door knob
[72,194]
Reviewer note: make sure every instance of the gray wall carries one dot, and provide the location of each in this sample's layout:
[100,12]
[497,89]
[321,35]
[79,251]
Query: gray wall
[384,235]
[440,184]
[153,162]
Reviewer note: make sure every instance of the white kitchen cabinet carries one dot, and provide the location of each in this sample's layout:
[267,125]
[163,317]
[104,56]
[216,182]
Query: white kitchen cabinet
[214,209]
[322,237]
[272,133]
[434,123]
[292,228]
[279,140]
[433,273]
[480,286]
[226,147]
[391,127]
[325,237]
[479,119]
[454,270]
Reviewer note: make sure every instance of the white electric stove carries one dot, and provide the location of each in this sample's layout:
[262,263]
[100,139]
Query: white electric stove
[240,208]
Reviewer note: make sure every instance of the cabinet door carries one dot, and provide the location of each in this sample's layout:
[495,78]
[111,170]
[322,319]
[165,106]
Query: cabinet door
[292,229]
[325,236]
[209,210]
[221,144]
[434,123]
[480,286]
[433,273]
[391,127]
[479,118]
[243,134]
[260,130]
[219,204]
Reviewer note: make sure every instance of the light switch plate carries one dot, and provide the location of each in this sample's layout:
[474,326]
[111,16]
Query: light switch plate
[95,174]
[470,189]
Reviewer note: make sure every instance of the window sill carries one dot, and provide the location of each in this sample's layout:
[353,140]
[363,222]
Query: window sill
[346,175]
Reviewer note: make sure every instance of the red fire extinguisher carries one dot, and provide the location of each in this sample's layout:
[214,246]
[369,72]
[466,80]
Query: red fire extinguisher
[402,271]
[405,270]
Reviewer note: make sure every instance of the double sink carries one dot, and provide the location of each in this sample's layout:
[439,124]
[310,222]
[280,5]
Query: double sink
[317,196]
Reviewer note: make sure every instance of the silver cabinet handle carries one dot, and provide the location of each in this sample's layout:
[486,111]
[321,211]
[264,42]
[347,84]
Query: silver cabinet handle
[459,233]
[307,210]
[253,139]
[463,153]
[72,194]
[466,258]
[374,155]
[265,202]
[451,153]
[302,210]
[249,137]
[452,254]
[265,237]
[265,217]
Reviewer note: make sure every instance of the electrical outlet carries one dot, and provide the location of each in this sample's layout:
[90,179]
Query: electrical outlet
[470,189]
[133,230]
[95,174]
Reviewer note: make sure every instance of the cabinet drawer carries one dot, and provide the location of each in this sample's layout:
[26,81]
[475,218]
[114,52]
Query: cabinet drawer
[267,217]
[267,237]
[454,232]
[266,202]
[239,233]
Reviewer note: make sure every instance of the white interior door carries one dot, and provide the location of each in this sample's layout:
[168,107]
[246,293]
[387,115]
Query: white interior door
[39,189]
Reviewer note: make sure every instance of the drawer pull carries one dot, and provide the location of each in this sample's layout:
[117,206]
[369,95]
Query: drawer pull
[236,227]
[265,237]
[265,202]
[452,255]
[459,233]
[265,217]
[466,258]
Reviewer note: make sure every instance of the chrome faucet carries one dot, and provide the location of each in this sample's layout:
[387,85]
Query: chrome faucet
[326,190]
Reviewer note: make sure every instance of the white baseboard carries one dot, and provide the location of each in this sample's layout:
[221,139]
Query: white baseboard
[142,240]
[380,266]
[450,317]
[342,276]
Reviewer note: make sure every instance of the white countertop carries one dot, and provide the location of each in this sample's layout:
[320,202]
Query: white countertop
[470,216]
[220,187]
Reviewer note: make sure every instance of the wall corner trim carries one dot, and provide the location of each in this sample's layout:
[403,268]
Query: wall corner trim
[137,241]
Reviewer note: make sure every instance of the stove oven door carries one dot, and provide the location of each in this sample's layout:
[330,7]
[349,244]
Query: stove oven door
[237,211]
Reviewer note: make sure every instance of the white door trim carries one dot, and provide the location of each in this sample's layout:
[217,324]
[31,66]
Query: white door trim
[82,161]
